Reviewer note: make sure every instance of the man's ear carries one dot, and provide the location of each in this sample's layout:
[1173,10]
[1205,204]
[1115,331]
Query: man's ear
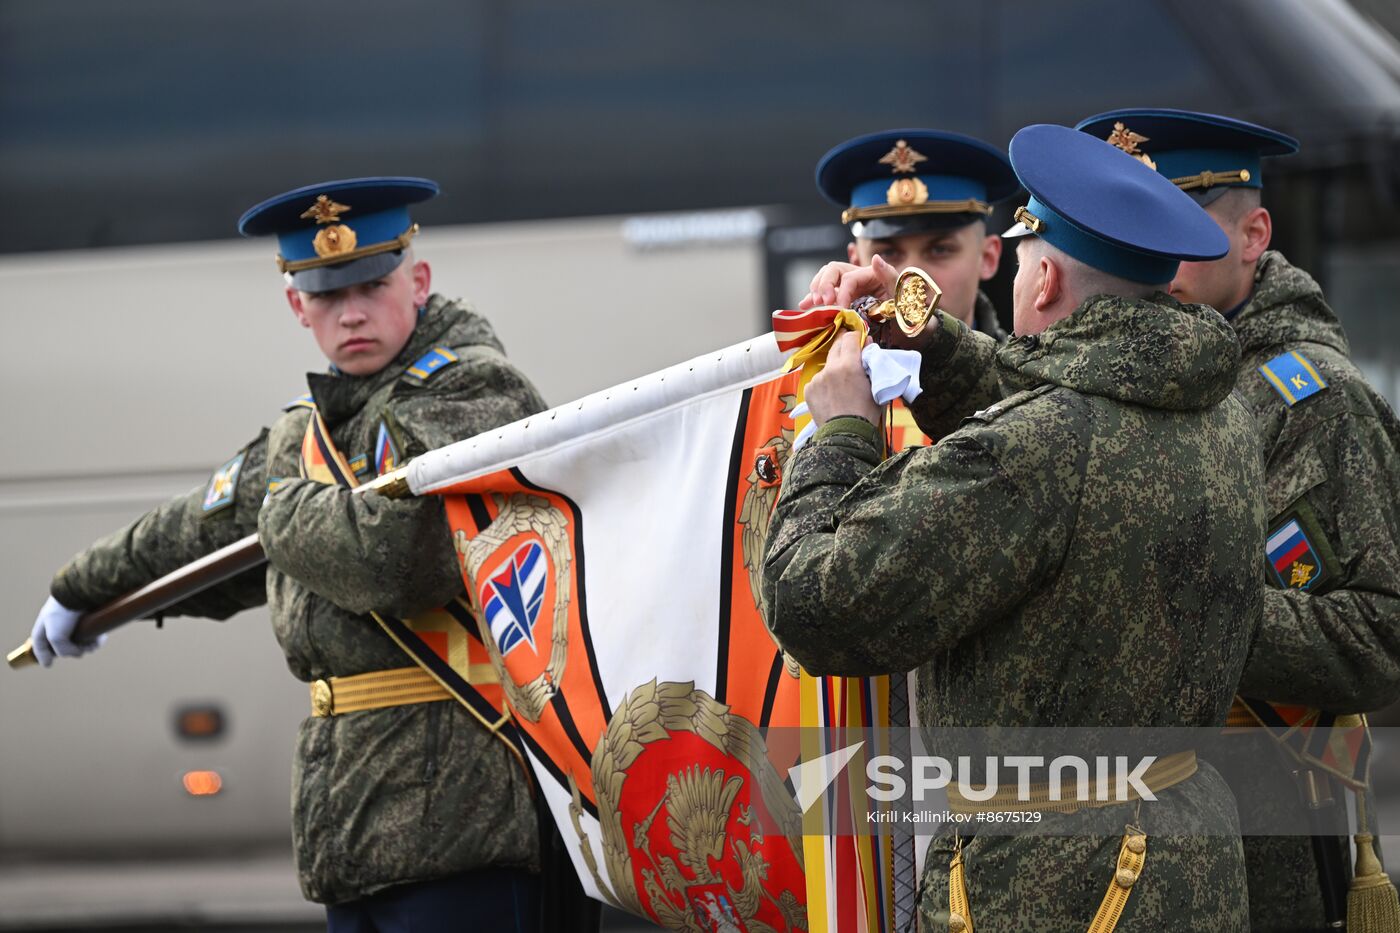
[1050,284]
[1256,229]
[294,301]
[991,256]
[422,282]
[852,254]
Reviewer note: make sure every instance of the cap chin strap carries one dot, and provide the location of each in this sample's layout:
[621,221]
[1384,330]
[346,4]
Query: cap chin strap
[399,242]
[966,206]
[1207,179]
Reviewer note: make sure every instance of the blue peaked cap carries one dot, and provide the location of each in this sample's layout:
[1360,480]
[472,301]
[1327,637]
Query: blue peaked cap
[340,233]
[1204,154]
[911,180]
[1107,209]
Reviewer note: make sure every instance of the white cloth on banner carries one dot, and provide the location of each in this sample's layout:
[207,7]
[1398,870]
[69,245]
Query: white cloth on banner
[893,374]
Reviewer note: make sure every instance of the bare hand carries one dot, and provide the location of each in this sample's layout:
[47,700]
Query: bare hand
[840,283]
[842,387]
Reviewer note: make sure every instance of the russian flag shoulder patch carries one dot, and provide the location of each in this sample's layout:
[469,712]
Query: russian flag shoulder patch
[1295,561]
[386,453]
[1293,376]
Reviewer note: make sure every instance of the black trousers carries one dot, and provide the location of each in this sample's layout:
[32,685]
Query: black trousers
[494,900]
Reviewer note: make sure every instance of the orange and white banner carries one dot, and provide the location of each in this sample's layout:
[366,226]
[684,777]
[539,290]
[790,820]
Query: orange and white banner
[610,550]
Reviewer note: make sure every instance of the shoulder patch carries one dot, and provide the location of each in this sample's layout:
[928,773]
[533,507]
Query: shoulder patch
[431,363]
[301,401]
[222,486]
[386,455]
[1293,376]
[994,411]
[1296,562]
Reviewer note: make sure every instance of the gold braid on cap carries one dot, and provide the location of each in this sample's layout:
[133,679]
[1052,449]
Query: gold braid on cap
[970,206]
[1207,179]
[388,246]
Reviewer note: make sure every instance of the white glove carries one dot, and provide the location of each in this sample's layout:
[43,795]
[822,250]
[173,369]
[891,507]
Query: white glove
[53,633]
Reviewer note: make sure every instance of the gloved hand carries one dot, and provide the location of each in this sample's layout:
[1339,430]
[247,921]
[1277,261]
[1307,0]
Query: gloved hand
[53,633]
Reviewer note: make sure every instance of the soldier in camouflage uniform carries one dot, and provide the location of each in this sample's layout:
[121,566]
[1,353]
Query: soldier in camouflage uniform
[1330,633]
[921,198]
[1078,554]
[413,810]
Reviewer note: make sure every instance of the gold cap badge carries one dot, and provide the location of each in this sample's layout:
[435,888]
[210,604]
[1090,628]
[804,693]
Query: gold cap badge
[324,211]
[1128,141]
[907,191]
[333,241]
[903,157]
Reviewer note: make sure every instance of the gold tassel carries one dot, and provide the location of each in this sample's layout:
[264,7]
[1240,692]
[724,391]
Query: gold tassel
[1372,903]
[959,910]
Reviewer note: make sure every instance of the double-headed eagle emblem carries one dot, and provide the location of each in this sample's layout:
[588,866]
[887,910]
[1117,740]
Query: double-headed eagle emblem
[324,211]
[334,240]
[1128,141]
[903,157]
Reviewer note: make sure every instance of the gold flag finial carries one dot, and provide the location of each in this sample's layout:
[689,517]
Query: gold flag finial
[903,157]
[324,211]
[916,298]
[23,656]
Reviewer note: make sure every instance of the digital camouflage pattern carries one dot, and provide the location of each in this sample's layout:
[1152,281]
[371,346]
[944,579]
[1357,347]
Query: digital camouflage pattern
[380,797]
[959,376]
[964,370]
[1338,452]
[1080,553]
[1334,460]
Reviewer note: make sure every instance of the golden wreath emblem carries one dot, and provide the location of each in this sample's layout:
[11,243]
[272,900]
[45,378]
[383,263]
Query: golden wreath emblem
[713,862]
[334,241]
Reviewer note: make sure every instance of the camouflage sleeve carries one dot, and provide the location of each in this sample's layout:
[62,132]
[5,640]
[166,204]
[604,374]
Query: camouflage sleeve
[366,553]
[871,568]
[1339,647]
[172,535]
[958,375]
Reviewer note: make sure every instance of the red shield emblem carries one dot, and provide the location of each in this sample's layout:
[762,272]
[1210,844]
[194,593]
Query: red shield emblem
[683,816]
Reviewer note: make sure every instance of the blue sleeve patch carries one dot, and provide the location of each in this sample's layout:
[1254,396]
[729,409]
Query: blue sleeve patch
[1293,376]
[430,363]
[301,401]
[222,486]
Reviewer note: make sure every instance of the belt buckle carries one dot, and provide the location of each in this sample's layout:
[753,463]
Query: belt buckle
[322,699]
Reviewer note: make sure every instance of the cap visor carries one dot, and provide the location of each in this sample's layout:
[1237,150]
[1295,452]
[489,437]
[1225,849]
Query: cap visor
[345,274]
[1207,196]
[884,228]
[1017,229]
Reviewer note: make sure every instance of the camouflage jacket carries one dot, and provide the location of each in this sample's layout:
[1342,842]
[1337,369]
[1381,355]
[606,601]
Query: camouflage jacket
[1080,553]
[1330,634]
[380,797]
[958,373]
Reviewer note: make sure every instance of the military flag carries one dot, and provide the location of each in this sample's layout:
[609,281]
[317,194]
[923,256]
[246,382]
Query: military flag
[610,549]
